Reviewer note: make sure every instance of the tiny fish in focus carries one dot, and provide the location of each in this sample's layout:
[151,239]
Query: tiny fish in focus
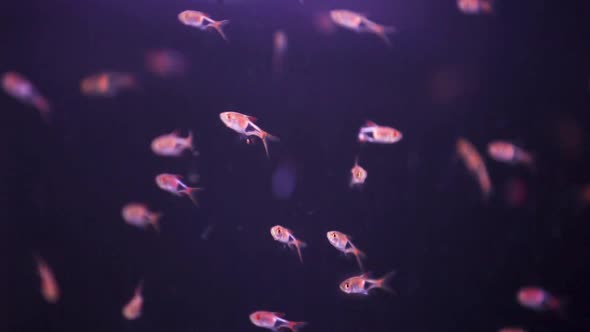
[132,310]
[20,88]
[172,145]
[342,242]
[360,23]
[274,321]
[358,175]
[49,287]
[474,7]
[474,163]
[139,215]
[363,284]
[166,63]
[507,152]
[374,133]
[244,125]
[284,235]
[202,21]
[107,84]
[172,184]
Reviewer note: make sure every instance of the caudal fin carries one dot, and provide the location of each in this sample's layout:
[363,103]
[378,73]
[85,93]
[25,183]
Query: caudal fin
[155,221]
[295,326]
[265,137]
[382,32]
[383,283]
[298,245]
[219,27]
[359,255]
[190,192]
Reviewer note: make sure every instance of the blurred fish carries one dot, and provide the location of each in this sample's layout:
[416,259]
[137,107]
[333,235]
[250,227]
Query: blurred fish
[507,152]
[512,329]
[538,299]
[49,287]
[374,133]
[284,235]
[107,84]
[342,242]
[280,46]
[166,63]
[171,184]
[172,145]
[515,192]
[474,163]
[363,284]
[202,21]
[360,23]
[358,175]
[139,215]
[471,7]
[284,180]
[132,310]
[274,321]
[244,125]
[17,86]
[323,23]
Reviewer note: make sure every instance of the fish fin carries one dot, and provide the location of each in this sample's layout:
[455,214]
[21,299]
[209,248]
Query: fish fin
[370,123]
[189,191]
[382,32]
[155,221]
[298,245]
[295,326]
[218,25]
[383,282]
[265,137]
[139,288]
[359,255]
[279,314]
[190,144]
[251,118]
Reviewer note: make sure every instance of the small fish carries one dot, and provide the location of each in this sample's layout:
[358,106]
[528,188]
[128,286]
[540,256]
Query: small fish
[49,287]
[171,184]
[244,125]
[363,284]
[538,299]
[374,133]
[132,310]
[139,215]
[274,321]
[202,21]
[358,175]
[166,63]
[507,152]
[107,84]
[20,88]
[473,7]
[474,163]
[512,329]
[280,46]
[360,23]
[172,145]
[284,235]
[342,242]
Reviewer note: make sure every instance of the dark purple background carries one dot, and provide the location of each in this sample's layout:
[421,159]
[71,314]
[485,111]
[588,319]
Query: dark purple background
[459,260]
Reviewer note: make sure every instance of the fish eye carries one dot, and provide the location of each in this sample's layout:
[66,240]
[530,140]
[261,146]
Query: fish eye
[279,230]
[333,235]
[346,285]
[257,316]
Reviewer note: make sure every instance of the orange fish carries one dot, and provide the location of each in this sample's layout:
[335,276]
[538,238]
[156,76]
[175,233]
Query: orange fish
[132,310]
[49,287]
[472,7]
[172,184]
[506,152]
[358,175]
[17,86]
[202,21]
[274,321]
[538,299]
[107,84]
[172,145]
[363,284]
[374,133]
[284,235]
[360,23]
[139,215]
[342,242]
[166,63]
[244,125]
[475,165]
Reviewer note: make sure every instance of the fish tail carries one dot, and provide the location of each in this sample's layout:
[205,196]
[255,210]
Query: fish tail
[190,191]
[359,255]
[218,25]
[383,283]
[265,137]
[298,245]
[295,326]
[155,221]
[382,32]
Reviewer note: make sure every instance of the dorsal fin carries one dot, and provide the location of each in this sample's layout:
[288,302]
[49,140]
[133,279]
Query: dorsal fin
[370,123]
[279,314]
[251,118]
